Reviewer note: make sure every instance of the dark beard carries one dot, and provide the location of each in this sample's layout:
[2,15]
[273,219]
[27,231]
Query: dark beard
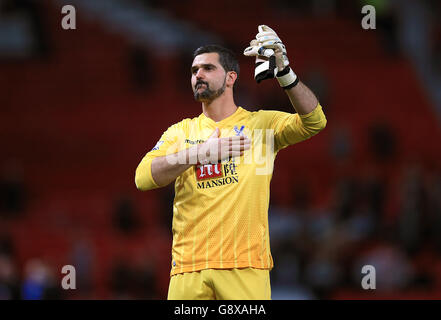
[208,95]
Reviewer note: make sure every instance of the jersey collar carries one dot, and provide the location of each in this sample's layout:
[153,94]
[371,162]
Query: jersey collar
[225,122]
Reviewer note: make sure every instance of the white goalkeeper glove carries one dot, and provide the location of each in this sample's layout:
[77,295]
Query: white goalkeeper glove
[271,58]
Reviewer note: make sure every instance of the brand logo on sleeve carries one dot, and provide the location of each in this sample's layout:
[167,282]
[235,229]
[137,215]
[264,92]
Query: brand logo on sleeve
[158,144]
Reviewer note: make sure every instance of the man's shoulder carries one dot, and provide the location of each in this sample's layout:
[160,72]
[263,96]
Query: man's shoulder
[256,112]
[252,112]
[263,114]
[184,123]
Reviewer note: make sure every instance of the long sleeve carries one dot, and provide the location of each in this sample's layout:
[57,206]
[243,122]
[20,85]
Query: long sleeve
[293,128]
[143,176]
[166,145]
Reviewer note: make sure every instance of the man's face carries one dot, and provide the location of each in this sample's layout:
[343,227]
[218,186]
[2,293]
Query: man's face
[207,77]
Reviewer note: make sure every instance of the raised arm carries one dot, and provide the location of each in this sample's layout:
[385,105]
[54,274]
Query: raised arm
[272,62]
[302,98]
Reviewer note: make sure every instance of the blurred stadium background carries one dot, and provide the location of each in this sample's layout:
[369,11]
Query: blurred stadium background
[80,108]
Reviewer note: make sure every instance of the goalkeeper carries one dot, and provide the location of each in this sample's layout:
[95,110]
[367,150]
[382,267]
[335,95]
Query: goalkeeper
[221,247]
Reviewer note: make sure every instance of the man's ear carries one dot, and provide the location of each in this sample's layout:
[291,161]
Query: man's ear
[231,78]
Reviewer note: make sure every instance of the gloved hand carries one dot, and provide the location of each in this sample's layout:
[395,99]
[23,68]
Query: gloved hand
[271,58]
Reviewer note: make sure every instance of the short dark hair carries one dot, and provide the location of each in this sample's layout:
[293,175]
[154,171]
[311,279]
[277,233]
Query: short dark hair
[227,58]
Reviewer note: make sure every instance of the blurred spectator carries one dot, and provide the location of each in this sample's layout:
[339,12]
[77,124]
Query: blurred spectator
[39,282]
[382,141]
[413,212]
[13,193]
[125,216]
[134,280]
[288,222]
[166,198]
[9,282]
[435,8]
[296,7]
[437,52]
[121,280]
[345,197]
[288,279]
[291,244]
[82,256]
[341,144]
[33,13]
[141,70]
[144,277]
[372,195]
[393,269]
[434,194]
[323,7]
[323,275]
[6,245]
[151,3]
[361,225]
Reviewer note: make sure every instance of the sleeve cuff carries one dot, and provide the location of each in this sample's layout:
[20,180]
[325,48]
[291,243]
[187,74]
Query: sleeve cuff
[143,176]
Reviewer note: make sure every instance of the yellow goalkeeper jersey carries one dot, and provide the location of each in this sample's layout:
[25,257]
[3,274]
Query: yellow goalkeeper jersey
[220,211]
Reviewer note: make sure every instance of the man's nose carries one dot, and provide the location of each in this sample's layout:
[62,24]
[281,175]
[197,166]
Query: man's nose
[200,74]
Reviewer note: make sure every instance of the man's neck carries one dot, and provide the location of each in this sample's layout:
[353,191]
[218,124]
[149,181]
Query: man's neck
[219,108]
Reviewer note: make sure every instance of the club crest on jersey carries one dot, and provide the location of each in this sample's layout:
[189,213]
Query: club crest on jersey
[239,132]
